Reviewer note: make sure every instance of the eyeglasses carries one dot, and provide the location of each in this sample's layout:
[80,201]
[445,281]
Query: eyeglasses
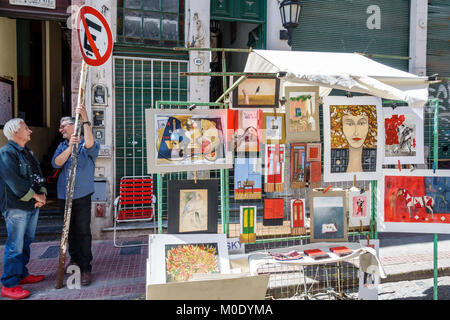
[64,125]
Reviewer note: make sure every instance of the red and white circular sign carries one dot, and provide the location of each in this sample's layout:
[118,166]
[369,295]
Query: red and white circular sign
[94,36]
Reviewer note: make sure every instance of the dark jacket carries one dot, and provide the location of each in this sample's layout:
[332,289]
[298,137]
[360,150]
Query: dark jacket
[16,179]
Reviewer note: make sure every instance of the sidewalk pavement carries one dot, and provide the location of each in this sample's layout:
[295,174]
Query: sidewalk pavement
[120,273]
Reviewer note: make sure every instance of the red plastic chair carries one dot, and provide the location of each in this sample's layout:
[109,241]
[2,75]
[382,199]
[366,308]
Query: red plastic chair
[134,203]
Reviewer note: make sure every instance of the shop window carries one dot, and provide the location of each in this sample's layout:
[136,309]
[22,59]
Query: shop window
[152,22]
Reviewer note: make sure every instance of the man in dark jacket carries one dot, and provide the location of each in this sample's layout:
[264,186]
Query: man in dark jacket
[21,195]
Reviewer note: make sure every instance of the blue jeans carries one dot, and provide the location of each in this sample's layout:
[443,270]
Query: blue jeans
[21,226]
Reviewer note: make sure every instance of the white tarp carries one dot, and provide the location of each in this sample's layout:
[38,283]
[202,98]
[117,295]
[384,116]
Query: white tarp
[345,71]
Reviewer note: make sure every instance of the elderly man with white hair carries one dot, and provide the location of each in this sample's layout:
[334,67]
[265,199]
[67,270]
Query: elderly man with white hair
[22,193]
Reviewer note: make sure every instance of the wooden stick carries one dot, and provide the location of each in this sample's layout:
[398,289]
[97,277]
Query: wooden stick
[71,182]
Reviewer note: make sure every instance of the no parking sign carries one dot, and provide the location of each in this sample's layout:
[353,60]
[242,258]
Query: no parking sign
[94,36]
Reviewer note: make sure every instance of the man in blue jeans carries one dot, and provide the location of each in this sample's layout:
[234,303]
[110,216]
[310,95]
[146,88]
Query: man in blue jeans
[21,195]
[80,238]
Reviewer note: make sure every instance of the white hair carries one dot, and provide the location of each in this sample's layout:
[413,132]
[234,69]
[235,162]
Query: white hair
[11,127]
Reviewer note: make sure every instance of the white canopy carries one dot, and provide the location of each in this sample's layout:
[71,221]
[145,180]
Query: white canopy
[345,71]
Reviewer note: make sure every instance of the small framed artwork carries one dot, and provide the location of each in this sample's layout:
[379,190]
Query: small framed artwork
[176,258]
[247,178]
[302,113]
[247,130]
[99,95]
[273,212]
[192,206]
[298,165]
[257,92]
[313,152]
[298,216]
[248,224]
[315,174]
[359,205]
[273,128]
[274,168]
[328,216]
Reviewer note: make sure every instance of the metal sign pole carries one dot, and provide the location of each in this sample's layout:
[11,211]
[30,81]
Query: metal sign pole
[71,183]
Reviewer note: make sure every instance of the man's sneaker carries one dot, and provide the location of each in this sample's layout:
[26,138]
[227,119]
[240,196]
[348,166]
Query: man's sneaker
[15,292]
[31,279]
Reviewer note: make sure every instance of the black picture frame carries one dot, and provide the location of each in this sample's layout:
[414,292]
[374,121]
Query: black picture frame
[255,104]
[175,189]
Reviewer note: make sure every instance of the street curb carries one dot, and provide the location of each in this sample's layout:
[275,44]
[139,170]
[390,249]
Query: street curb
[416,275]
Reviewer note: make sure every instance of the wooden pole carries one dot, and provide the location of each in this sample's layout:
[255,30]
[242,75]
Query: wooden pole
[71,182]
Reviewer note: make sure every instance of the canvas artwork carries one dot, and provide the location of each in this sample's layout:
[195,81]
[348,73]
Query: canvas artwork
[247,178]
[352,138]
[273,128]
[274,168]
[192,206]
[298,165]
[417,201]
[273,212]
[259,92]
[328,216]
[182,140]
[403,135]
[248,224]
[359,205]
[248,130]
[302,113]
[298,216]
[176,258]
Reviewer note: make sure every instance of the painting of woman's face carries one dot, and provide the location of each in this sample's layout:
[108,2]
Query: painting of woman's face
[355,129]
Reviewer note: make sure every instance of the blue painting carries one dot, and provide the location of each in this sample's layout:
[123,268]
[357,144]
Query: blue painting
[328,218]
[247,178]
[438,188]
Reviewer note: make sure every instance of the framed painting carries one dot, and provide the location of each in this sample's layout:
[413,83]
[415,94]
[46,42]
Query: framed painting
[315,173]
[360,210]
[298,165]
[314,152]
[298,216]
[403,135]
[273,212]
[302,113]
[183,140]
[274,167]
[417,201]
[247,130]
[247,219]
[273,128]
[176,258]
[257,92]
[6,100]
[328,214]
[192,206]
[247,178]
[352,138]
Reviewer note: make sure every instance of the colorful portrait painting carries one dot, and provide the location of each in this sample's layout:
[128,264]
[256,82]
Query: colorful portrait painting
[328,216]
[403,135]
[416,202]
[274,168]
[351,138]
[177,257]
[181,140]
[359,208]
[247,178]
[259,92]
[302,113]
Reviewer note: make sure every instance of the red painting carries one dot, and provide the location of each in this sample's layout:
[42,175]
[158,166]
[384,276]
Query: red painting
[390,126]
[273,212]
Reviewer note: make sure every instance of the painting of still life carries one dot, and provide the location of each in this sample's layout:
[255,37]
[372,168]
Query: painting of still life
[260,92]
[403,135]
[328,216]
[181,140]
[352,144]
[416,202]
[302,114]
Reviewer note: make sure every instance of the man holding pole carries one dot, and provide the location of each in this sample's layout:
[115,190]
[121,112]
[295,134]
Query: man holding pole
[80,238]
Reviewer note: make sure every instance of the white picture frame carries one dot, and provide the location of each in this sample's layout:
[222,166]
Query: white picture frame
[357,218]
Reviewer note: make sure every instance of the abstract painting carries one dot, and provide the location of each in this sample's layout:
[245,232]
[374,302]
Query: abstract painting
[259,92]
[298,216]
[175,258]
[273,128]
[247,178]
[192,206]
[273,212]
[352,143]
[403,135]
[274,168]
[359,205]
[247,130]
[328,216]
[417,201]
[248,224]
[182,140]
[302,114]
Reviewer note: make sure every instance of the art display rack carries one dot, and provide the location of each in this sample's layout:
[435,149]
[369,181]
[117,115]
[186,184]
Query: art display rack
[345,277]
